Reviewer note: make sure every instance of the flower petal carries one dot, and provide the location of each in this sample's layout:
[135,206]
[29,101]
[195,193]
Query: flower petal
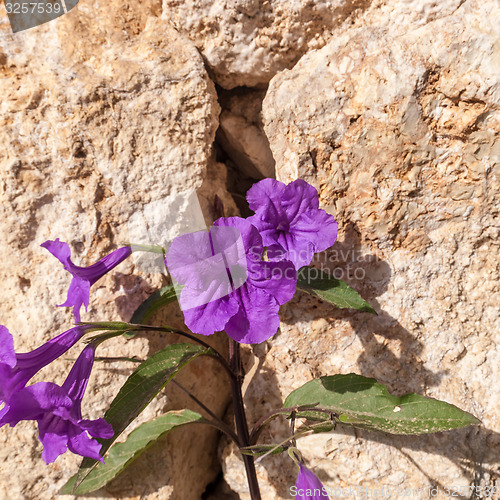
[190,257]
[278,279]
[83,277]
[265,196]
[318,227]
[32,362]
[98,428]
[77,379]
[96,271]
[81,444]
[45,396]
[257,318]
[55,442]
[267,229]
[61,251]
[300,251]
[309,487]
[250,237]
[33,402]
[211,317]
[216,289]
[7,384]
[7,353]
[298,197]
[78,296]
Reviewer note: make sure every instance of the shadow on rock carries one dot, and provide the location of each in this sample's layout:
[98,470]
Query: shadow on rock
[390,354]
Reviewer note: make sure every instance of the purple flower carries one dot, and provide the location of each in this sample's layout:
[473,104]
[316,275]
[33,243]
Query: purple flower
[83,277]
[308,486]
[57,410]
[17,369]
[290,221]
[228,286]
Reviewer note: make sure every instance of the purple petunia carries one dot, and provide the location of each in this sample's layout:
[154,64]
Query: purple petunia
[16,369]
[57,410]
[228,286]
[290,221]
[83,277]
[308,486]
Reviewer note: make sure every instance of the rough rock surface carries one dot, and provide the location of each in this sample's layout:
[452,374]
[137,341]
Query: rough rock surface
[107,117]
[241,133]
[104,113]
[246,42]
[400,136]
[396,17]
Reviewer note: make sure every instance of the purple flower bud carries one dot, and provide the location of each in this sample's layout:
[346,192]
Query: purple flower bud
[57,410]
[290,221]
[83,277]
[308,486]
[228,286]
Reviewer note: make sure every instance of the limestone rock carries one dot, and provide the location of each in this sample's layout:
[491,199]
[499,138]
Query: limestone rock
[241,133]
[400,136]
[105,113]
[246,42]
[397,17]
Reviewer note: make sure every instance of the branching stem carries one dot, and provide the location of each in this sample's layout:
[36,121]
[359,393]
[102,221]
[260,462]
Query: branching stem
[257,428]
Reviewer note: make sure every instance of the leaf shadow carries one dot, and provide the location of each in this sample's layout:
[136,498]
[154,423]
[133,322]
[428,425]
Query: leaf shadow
[392,356]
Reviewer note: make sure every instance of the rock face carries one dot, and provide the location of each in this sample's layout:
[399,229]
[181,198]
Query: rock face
[246,42]
[400,136]
[241,133]
[105,114]
[107,120]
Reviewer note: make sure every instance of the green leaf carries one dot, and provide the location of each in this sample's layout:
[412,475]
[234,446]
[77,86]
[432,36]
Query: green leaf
[140,388]
[337,292]
[123,454]
[325,426]
[154,302]
[362,402]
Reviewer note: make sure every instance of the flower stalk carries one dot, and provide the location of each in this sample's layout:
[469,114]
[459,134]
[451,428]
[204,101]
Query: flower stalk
[240,418]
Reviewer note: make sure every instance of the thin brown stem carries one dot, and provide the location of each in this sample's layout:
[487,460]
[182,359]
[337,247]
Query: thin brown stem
[240,418]
[257,428]
[216,420]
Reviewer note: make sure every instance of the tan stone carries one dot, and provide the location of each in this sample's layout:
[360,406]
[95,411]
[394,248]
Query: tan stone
[105,113]
[246,42]
[398,133]
[241,133]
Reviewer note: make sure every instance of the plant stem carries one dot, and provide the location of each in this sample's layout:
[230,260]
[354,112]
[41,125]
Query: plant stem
[217,422]
[240,418]
[257,428]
